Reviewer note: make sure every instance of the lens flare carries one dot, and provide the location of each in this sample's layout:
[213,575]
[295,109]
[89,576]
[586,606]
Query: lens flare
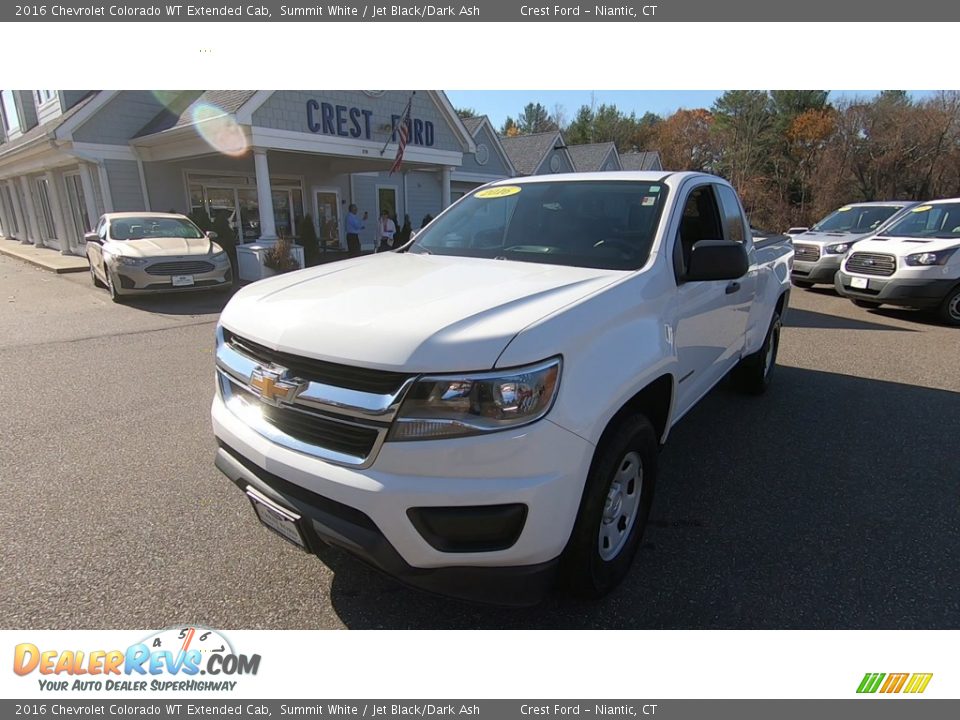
[219,130]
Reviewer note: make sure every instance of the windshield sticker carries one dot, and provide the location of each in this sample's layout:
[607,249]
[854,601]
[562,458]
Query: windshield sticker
[648,200]
[498,192]
[922,208]
[655,189]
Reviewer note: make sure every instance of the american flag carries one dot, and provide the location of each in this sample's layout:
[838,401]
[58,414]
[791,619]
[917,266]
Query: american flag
[403,135]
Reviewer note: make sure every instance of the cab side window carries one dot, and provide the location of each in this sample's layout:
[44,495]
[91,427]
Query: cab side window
[700,221]
[732,215]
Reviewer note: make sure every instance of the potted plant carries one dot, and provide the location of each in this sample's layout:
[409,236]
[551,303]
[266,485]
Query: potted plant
[279,258]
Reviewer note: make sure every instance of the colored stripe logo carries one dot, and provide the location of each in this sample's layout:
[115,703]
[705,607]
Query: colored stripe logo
[912,683]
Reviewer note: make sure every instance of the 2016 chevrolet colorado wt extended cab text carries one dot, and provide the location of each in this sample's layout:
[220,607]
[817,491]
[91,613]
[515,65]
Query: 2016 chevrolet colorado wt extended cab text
[486,406]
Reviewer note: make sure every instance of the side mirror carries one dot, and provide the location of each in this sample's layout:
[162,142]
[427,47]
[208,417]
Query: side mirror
[717,260]
[91,237]
[211,234]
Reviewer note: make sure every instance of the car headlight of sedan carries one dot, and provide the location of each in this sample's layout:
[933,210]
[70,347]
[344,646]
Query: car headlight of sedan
[837,248]
[939,257]
[443,406]
[129,261]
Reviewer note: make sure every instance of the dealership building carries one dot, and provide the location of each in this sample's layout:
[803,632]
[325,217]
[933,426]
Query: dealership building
[262,159]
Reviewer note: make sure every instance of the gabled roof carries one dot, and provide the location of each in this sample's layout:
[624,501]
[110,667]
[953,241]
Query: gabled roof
[641,160]
[473,123]
[527,152]
[180,112]
[592,157]
[47,129]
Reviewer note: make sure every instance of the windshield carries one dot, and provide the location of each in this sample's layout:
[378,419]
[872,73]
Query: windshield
[856,218]
[928,222]
[596,224]
[137,228]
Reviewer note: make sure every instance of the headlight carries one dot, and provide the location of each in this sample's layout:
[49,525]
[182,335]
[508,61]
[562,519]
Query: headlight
[132,261]
[457,405]
[930,258]
[837,249]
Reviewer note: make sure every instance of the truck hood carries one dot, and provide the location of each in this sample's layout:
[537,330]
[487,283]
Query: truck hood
[822,239]
[399,311]
[901,247]
[163,247]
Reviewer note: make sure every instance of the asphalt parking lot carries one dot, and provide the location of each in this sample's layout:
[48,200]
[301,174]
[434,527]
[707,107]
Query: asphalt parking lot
[830,502]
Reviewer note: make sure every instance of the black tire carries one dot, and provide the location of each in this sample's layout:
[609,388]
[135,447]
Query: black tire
[97,282]
[752,374]
[111,288]
[585,571]
[867,304]
[950,308]
[803,284]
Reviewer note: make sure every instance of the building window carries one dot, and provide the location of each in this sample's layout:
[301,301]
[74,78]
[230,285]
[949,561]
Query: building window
[78,206]
[44,96]
[10,117]
[235,198]
[11,213]
[43,193]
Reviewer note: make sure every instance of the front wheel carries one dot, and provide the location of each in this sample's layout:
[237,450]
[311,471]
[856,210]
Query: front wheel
[111,288]
[613,510]
[950,307]
[752,375]
[93,276]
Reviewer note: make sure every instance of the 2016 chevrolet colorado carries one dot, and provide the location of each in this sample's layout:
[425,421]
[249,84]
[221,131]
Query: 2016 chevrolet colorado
[486,406]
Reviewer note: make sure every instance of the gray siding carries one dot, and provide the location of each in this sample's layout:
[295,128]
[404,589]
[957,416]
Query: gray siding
[27,109]
[287,110]
[565,165]
[124,179]
[495,165]
[120,119]
[69,98]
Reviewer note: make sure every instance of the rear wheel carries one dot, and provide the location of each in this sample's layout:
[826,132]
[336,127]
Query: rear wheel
[803,284]
[950,307]
[868,304]
[752,375]
[614,509]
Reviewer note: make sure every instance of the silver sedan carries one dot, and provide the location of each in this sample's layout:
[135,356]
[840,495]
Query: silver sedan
[146,253]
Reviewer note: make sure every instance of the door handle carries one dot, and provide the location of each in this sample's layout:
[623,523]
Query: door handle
[733,287]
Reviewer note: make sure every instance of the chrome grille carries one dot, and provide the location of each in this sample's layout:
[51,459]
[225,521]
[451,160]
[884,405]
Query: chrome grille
[806,253]
[355,378]
[310,406]
[180,267]
[866,263]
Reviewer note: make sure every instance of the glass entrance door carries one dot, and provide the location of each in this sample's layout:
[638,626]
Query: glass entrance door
[222,202]
[327,204]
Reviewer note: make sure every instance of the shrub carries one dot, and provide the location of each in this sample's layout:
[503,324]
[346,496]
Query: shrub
[310,242]
[279,258]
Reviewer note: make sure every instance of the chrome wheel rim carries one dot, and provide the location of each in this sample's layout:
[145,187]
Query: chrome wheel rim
[621,506]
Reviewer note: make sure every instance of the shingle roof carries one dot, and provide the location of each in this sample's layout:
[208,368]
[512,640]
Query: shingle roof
[473,123]
[47,128]
[527,152]
[180,111]
[641,160]
[590,158]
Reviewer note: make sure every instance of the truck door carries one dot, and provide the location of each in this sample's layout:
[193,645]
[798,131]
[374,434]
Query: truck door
[711,315]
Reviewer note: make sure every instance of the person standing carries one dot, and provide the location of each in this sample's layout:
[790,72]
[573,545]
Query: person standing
[403,236]
[354,226]
[386,231]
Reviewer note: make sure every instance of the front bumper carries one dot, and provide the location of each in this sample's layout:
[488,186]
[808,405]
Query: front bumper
[366,511]
[134,280]
[816,271]
[924,294]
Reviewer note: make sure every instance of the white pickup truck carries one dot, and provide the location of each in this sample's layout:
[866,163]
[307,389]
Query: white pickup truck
[484,407]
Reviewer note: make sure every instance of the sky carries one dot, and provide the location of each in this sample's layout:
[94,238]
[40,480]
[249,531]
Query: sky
[498,104]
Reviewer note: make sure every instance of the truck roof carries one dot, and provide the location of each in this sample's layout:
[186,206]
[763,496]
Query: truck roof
[641,176]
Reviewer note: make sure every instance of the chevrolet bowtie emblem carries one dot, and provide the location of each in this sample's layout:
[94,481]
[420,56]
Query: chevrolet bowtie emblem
[274,387]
